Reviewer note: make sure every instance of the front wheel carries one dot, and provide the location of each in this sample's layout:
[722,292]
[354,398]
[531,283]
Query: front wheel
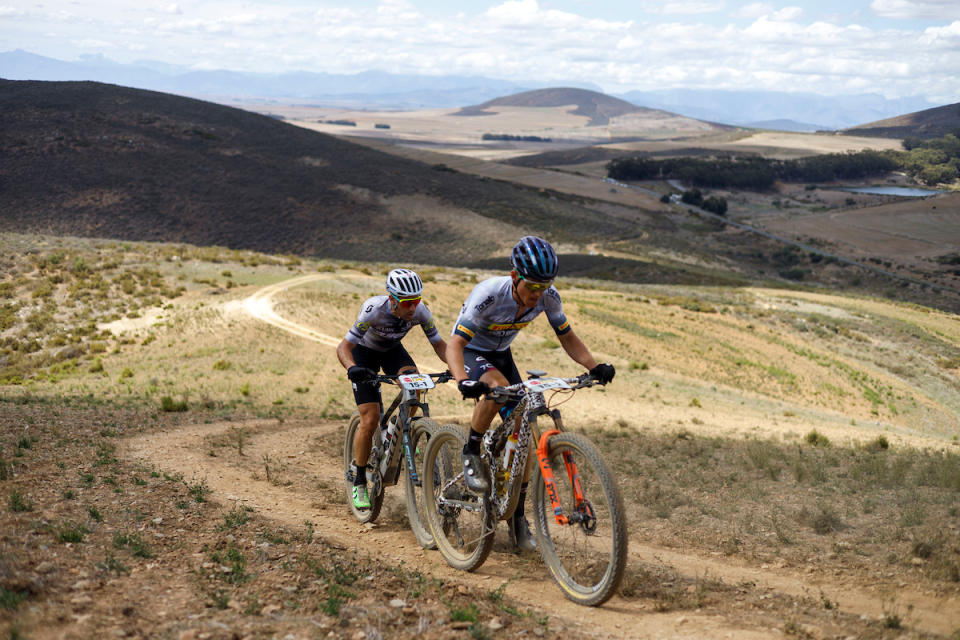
[461,522]
[423,429]
[587,556]
[376,498]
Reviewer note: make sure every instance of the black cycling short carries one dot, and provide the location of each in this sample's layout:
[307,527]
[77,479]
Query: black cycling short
[477,363]
[391,361]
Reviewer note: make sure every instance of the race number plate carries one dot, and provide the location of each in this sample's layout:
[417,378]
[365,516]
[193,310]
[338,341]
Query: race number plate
[542,384]
[415,382]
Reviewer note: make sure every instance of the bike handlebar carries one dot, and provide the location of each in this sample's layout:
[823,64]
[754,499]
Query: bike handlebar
[446,376]
[518,390]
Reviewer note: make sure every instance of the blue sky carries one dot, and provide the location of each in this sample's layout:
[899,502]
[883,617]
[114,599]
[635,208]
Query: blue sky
[892,47]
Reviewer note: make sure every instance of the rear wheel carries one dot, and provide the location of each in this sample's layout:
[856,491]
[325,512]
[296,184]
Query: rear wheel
[461,522]
[376,499]
[586,557]
[423,429]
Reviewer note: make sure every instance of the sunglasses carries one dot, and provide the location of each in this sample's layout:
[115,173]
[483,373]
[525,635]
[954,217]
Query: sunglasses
[535,286]
[407,302]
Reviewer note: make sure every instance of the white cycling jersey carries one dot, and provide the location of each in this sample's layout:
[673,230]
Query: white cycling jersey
[378,329]
[489,321]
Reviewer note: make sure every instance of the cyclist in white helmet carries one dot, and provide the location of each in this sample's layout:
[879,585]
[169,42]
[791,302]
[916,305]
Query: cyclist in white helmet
[479,353]
[373,343]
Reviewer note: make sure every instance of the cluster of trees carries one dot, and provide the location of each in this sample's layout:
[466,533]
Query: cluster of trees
[752,172]
[507,136]
[932,162]
[712,204]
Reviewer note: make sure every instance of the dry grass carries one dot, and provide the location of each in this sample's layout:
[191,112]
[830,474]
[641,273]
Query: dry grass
[780,428]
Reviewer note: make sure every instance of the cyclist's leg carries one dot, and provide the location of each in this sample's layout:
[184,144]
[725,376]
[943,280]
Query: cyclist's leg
[367,396]
[493,368]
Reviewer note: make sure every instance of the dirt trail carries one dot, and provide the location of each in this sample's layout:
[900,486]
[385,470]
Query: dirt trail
[294,449]
[186,451]
[260,306]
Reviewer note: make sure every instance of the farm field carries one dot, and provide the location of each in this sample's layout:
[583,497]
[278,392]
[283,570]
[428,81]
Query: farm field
[172,430]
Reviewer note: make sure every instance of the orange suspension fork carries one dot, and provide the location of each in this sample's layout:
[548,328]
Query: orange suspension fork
[550,482]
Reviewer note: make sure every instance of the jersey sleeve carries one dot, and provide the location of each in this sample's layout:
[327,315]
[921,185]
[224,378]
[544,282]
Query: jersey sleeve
[429,324]
[471,313]
[359,328]
[553,307]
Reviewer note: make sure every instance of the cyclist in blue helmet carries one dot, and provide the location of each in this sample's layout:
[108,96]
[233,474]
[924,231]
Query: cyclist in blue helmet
[479,355]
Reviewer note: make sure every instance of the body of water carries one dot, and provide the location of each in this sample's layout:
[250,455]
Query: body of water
[910,192]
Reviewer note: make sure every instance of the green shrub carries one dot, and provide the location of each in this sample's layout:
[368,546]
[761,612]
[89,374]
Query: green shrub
[19,504]
[170,405]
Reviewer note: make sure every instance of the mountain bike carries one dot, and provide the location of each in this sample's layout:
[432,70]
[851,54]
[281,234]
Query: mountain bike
[578,513]
[387,460]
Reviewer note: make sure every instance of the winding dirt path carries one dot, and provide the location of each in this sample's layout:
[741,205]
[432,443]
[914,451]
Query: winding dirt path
[306,455]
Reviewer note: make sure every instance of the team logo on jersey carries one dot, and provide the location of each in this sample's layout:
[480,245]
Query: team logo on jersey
[509,326]
[464,330]
[486,303]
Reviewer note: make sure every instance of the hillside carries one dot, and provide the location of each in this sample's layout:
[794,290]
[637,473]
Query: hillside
[91,159]
[95,160]
[929,123]
[171,459]
[599,107]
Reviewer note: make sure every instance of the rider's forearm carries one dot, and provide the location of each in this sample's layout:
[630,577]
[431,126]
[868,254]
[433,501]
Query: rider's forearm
[441,350]
[577,351]
[345,353]
[454,355]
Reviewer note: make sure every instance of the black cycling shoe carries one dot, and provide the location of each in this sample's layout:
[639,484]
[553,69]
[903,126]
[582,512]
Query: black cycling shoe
[520,535]
[474,473]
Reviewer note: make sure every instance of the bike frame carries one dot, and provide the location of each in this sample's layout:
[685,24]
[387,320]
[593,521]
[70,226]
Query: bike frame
[387,461]
[532,405]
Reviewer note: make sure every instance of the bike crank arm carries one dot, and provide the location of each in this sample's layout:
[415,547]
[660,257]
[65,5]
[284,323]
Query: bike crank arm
[459,504]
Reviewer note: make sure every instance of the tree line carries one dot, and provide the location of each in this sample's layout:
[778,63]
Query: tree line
[932,162]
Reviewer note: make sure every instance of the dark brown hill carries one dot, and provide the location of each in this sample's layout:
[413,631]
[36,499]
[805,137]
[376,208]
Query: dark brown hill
[597,106]
[929,123]
[90,159]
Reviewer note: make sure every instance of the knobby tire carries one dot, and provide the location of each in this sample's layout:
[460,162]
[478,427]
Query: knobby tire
[376,501]
[423,429]
[464,536]
[588,565]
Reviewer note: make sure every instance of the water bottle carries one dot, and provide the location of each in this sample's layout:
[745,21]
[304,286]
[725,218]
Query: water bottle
[389,435]
[508,450]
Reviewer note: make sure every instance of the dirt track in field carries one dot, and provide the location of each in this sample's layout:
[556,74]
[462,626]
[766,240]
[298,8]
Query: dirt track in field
[306,485]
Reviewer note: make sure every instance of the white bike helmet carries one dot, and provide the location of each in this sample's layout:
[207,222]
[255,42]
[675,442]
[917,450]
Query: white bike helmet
[404,283]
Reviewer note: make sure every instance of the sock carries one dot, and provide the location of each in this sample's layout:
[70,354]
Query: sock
[361,478]
[473,443]
[518,512]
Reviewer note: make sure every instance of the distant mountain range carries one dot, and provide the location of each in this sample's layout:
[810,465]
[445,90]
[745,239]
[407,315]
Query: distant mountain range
[597,106]
[929,123]
[768,109]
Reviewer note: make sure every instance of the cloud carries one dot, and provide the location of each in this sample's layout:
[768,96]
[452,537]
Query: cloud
[787,14]
[687,7]
[525,41]
[917,9]
[754,10]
